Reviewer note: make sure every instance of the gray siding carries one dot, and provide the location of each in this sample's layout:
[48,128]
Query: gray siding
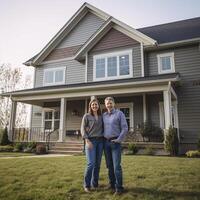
[36,119]
[136,58]
[75,72]
[153,108]
[83,31]
[74,122]
[112,41]
[187,63]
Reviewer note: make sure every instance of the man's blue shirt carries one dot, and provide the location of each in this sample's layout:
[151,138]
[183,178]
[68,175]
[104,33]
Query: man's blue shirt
[115,125]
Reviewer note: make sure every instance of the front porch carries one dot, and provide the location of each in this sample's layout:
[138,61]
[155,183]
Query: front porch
[59,120]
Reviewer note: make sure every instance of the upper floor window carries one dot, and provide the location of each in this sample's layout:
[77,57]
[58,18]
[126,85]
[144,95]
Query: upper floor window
[166,63]
[112,65]
[54,76]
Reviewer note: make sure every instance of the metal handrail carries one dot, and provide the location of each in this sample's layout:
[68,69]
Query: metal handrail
[48,136]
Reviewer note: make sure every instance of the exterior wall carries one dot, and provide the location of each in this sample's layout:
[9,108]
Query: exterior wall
[74,122]
[113,41]
[153,108]
[36,120]
[75,72]
[82,32]
[187,62]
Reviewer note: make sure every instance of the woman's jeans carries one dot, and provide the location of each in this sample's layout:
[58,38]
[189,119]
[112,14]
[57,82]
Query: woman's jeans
[113,161]
[93,156]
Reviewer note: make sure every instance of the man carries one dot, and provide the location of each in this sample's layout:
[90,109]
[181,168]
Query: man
[115,129]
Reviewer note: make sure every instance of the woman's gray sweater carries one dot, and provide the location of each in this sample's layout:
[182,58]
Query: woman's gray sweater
[91,127]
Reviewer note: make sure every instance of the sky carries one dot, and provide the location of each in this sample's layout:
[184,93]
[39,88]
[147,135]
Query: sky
[26,26]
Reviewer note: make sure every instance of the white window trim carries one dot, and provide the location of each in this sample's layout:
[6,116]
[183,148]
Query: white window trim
[129,105]
[162,114]
[53,110]
[54,69]
[112,54]
[171,55]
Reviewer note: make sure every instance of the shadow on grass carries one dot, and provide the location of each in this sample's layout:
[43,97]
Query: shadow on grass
[162,193]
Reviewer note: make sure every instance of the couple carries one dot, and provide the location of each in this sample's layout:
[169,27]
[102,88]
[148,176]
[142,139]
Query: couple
[103,132]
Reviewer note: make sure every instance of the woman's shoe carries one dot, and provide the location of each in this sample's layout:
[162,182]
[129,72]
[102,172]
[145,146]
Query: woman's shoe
[87,189]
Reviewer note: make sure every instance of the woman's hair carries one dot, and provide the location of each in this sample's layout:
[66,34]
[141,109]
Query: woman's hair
[90,109]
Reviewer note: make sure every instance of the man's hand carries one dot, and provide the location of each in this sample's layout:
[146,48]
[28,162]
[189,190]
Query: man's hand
[115,141]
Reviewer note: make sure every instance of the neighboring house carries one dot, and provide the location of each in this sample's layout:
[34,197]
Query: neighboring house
[153,73]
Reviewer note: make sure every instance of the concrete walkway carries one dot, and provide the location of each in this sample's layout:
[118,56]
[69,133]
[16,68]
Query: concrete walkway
[37,156]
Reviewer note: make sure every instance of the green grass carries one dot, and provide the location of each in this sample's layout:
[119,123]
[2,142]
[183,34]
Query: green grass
[14,154]
[61,178]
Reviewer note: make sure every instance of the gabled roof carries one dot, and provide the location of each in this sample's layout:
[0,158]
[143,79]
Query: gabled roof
[174,31]
[65,30]
[85,8]
[122,27]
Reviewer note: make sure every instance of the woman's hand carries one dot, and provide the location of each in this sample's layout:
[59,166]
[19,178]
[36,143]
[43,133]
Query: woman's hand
[88,144]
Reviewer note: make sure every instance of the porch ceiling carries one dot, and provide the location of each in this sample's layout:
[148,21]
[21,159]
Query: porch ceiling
[114,87]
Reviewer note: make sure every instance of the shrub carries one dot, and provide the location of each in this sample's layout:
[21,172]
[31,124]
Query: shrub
[149,151]
[4,139]
[18,147]
[171,141]
[41,149]
[198,144]
[192,154]
[30,147]
[132,148]
[6,148]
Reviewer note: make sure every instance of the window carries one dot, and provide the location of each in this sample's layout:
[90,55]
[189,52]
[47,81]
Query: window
[113,65]
[51,119]
[165,63]
[54,76]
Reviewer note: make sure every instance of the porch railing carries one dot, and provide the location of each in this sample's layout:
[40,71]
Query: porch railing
[137,136]
[37,134]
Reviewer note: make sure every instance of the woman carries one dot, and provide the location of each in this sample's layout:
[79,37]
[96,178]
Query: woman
[92,133]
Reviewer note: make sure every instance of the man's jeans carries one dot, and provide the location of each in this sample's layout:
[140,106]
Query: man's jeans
[113,161]
[93,156]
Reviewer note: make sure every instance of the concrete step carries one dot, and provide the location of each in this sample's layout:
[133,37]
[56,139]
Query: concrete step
[65,152]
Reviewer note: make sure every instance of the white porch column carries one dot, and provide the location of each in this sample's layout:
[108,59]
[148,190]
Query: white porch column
[167,108]
[12,119]
[62,120]
[144,108]
[86,105]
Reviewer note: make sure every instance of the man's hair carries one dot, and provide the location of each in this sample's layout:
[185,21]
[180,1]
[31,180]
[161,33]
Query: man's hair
[109,99]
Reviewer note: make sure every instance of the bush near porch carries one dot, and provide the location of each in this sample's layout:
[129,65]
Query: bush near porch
[61,178]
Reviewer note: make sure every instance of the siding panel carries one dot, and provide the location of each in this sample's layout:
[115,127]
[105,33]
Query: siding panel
[75,72]
[187,63]
[83,31]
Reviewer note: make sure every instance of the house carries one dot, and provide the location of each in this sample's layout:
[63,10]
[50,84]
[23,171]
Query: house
[153,73]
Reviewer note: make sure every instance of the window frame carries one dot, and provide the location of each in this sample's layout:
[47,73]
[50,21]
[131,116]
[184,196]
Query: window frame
[53,120]
[160,56]
[116,54]
[54,72]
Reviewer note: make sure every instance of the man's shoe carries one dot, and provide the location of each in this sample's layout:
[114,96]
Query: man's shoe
[87,189]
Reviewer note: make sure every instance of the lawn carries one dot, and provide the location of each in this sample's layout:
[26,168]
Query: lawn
[15,154]
[145,177]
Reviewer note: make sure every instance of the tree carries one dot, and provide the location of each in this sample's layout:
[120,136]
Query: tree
[11,79]
[4,139]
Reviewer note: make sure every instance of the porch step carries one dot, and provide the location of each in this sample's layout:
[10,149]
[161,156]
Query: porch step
[69,147]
